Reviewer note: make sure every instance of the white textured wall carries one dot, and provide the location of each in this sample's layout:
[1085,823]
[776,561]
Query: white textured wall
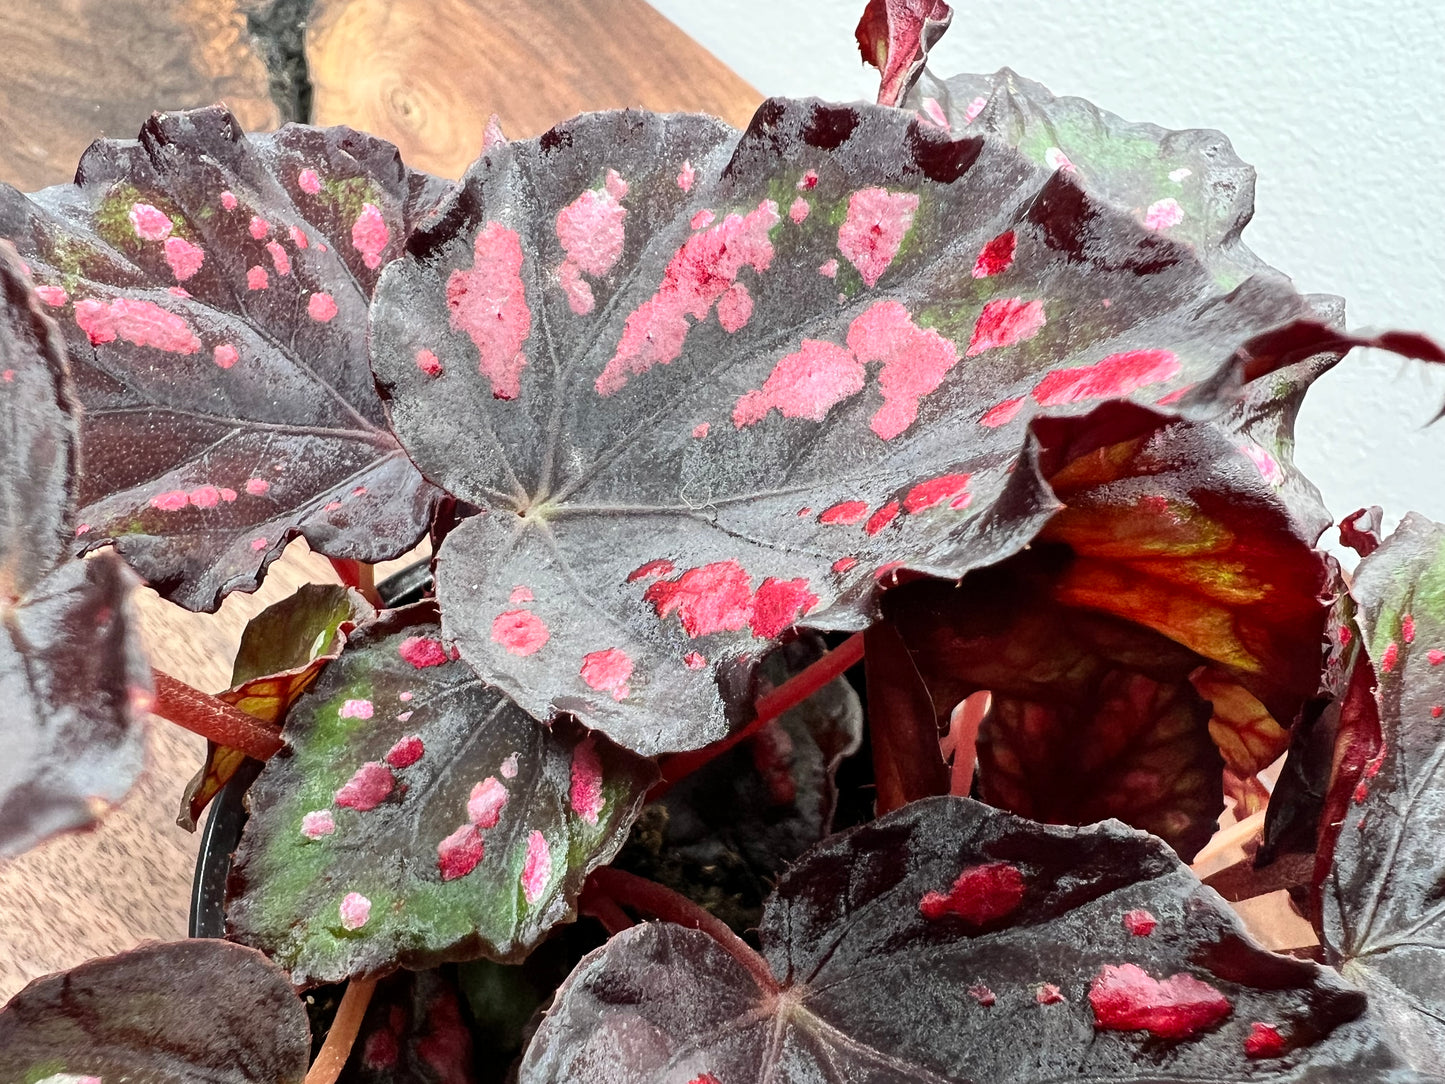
[1340,106]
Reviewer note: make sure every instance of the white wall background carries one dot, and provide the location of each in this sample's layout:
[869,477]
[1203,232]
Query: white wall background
[1339,105]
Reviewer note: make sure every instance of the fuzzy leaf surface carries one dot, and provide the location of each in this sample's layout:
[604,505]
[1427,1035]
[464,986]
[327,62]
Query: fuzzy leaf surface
[420,816]
[160,1014]
[1383,916]
[649,347]
[282,650]
[1032,975]
[214,289]
[73,675]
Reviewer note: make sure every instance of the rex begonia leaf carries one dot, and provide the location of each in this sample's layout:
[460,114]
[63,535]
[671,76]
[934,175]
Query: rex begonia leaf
[951,942]
[1383,914]
[723,834]
[420,816]
[414,1032]
[1189,185]
[663,492]
[214,290]
[173,1013]
[282,650]
[1092,716]
[895,36]
[73,676]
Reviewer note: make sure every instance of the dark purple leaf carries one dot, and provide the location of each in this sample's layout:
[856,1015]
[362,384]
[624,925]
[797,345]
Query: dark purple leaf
[161,1014]
[213,289]
[1383,921]
[72,674]
[413,1033]
[665,493]
[950,942]
[723,834]
[895,36]
[420,816]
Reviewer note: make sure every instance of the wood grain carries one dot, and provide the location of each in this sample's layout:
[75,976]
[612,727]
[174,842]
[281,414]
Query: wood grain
[74,70]
[427,74]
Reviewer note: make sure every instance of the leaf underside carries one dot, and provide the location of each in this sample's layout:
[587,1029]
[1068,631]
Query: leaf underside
[72,672]
[650,346]
[1383,915]
[413,1033]
[419,816]
[951,942]
[163,1014]
[213,289]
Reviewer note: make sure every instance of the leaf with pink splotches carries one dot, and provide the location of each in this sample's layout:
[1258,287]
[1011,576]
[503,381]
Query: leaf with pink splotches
[1382,891]
[420,816]
[710,384]
[895,36]
[160,1014]
[949,942]
[414,1032]
[282,649]
[214,292]
[73,675]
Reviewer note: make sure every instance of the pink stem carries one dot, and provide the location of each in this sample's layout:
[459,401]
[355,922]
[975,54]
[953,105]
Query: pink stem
[653,899]
[359,575]
[963,729]
[786,696]
[345,1026]
[211,717]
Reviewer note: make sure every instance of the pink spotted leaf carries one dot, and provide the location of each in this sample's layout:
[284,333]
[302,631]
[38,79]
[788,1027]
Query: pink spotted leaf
[434,800]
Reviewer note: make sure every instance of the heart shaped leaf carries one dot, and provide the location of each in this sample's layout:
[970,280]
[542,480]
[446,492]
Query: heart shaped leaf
[1383,921]
[413,1033]
[72,673]
[667,492]
[420,816]
[213,289]
[282,650]
[164,1014]
[951,942]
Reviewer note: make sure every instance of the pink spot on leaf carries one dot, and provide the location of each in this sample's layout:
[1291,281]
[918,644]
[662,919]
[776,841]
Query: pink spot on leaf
[460,853]
[1407,629]
[308,181]
[489,303]
[279,259]
[428,363]
[422,651]
[509,767]
[1390,657]
[142,323]
[779,604]
[734,308]
[256,278]
[694,661]
[257,487]
[828,269]
[696,277]
[874,228]
[368,787]
[171,501]
[1006,322]
[1048,994]
[979,895]
[660,567]
[355,910]
[1164,213]
[1264,1041]
[520,594]
[1140,923]
[995,257]
[806,384]
[809,181]
[686,176]
[608,671]
[982,994]
[1055,158]
[205,496]
[713,598]
[1266,464]
[321,307]
[369,235]
[297,235]
[185,258]
[592,234]
[356,709]
[933,112]
[521,632]
[798,210]
[318,823]
[881,518]
[973,109]
[1126,998]
[586,794]
[259,227]
[846,513]
[405,752]
[259,544]
[1115,375]
[915,361]
[484,806]
[53,296]
[150,223]
[843,564]
[537,868]
[1001,414]
[225,355]
[228,200]
[1436,656]
[700,430]
[949,487]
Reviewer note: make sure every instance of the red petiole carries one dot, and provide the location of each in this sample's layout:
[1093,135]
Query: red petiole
[206,715]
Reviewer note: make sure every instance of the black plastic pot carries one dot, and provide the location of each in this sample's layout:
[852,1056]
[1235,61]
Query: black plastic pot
[222,833]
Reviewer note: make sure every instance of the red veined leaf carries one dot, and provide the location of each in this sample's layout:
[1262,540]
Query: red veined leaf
[670,491]
[1382,893]
[420,816]
[163,1013]
[895,36]
[1046,970]
[73,675]
[213,289]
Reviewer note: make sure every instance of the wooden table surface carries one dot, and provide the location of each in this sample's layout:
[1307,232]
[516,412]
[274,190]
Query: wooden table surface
[425,74]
